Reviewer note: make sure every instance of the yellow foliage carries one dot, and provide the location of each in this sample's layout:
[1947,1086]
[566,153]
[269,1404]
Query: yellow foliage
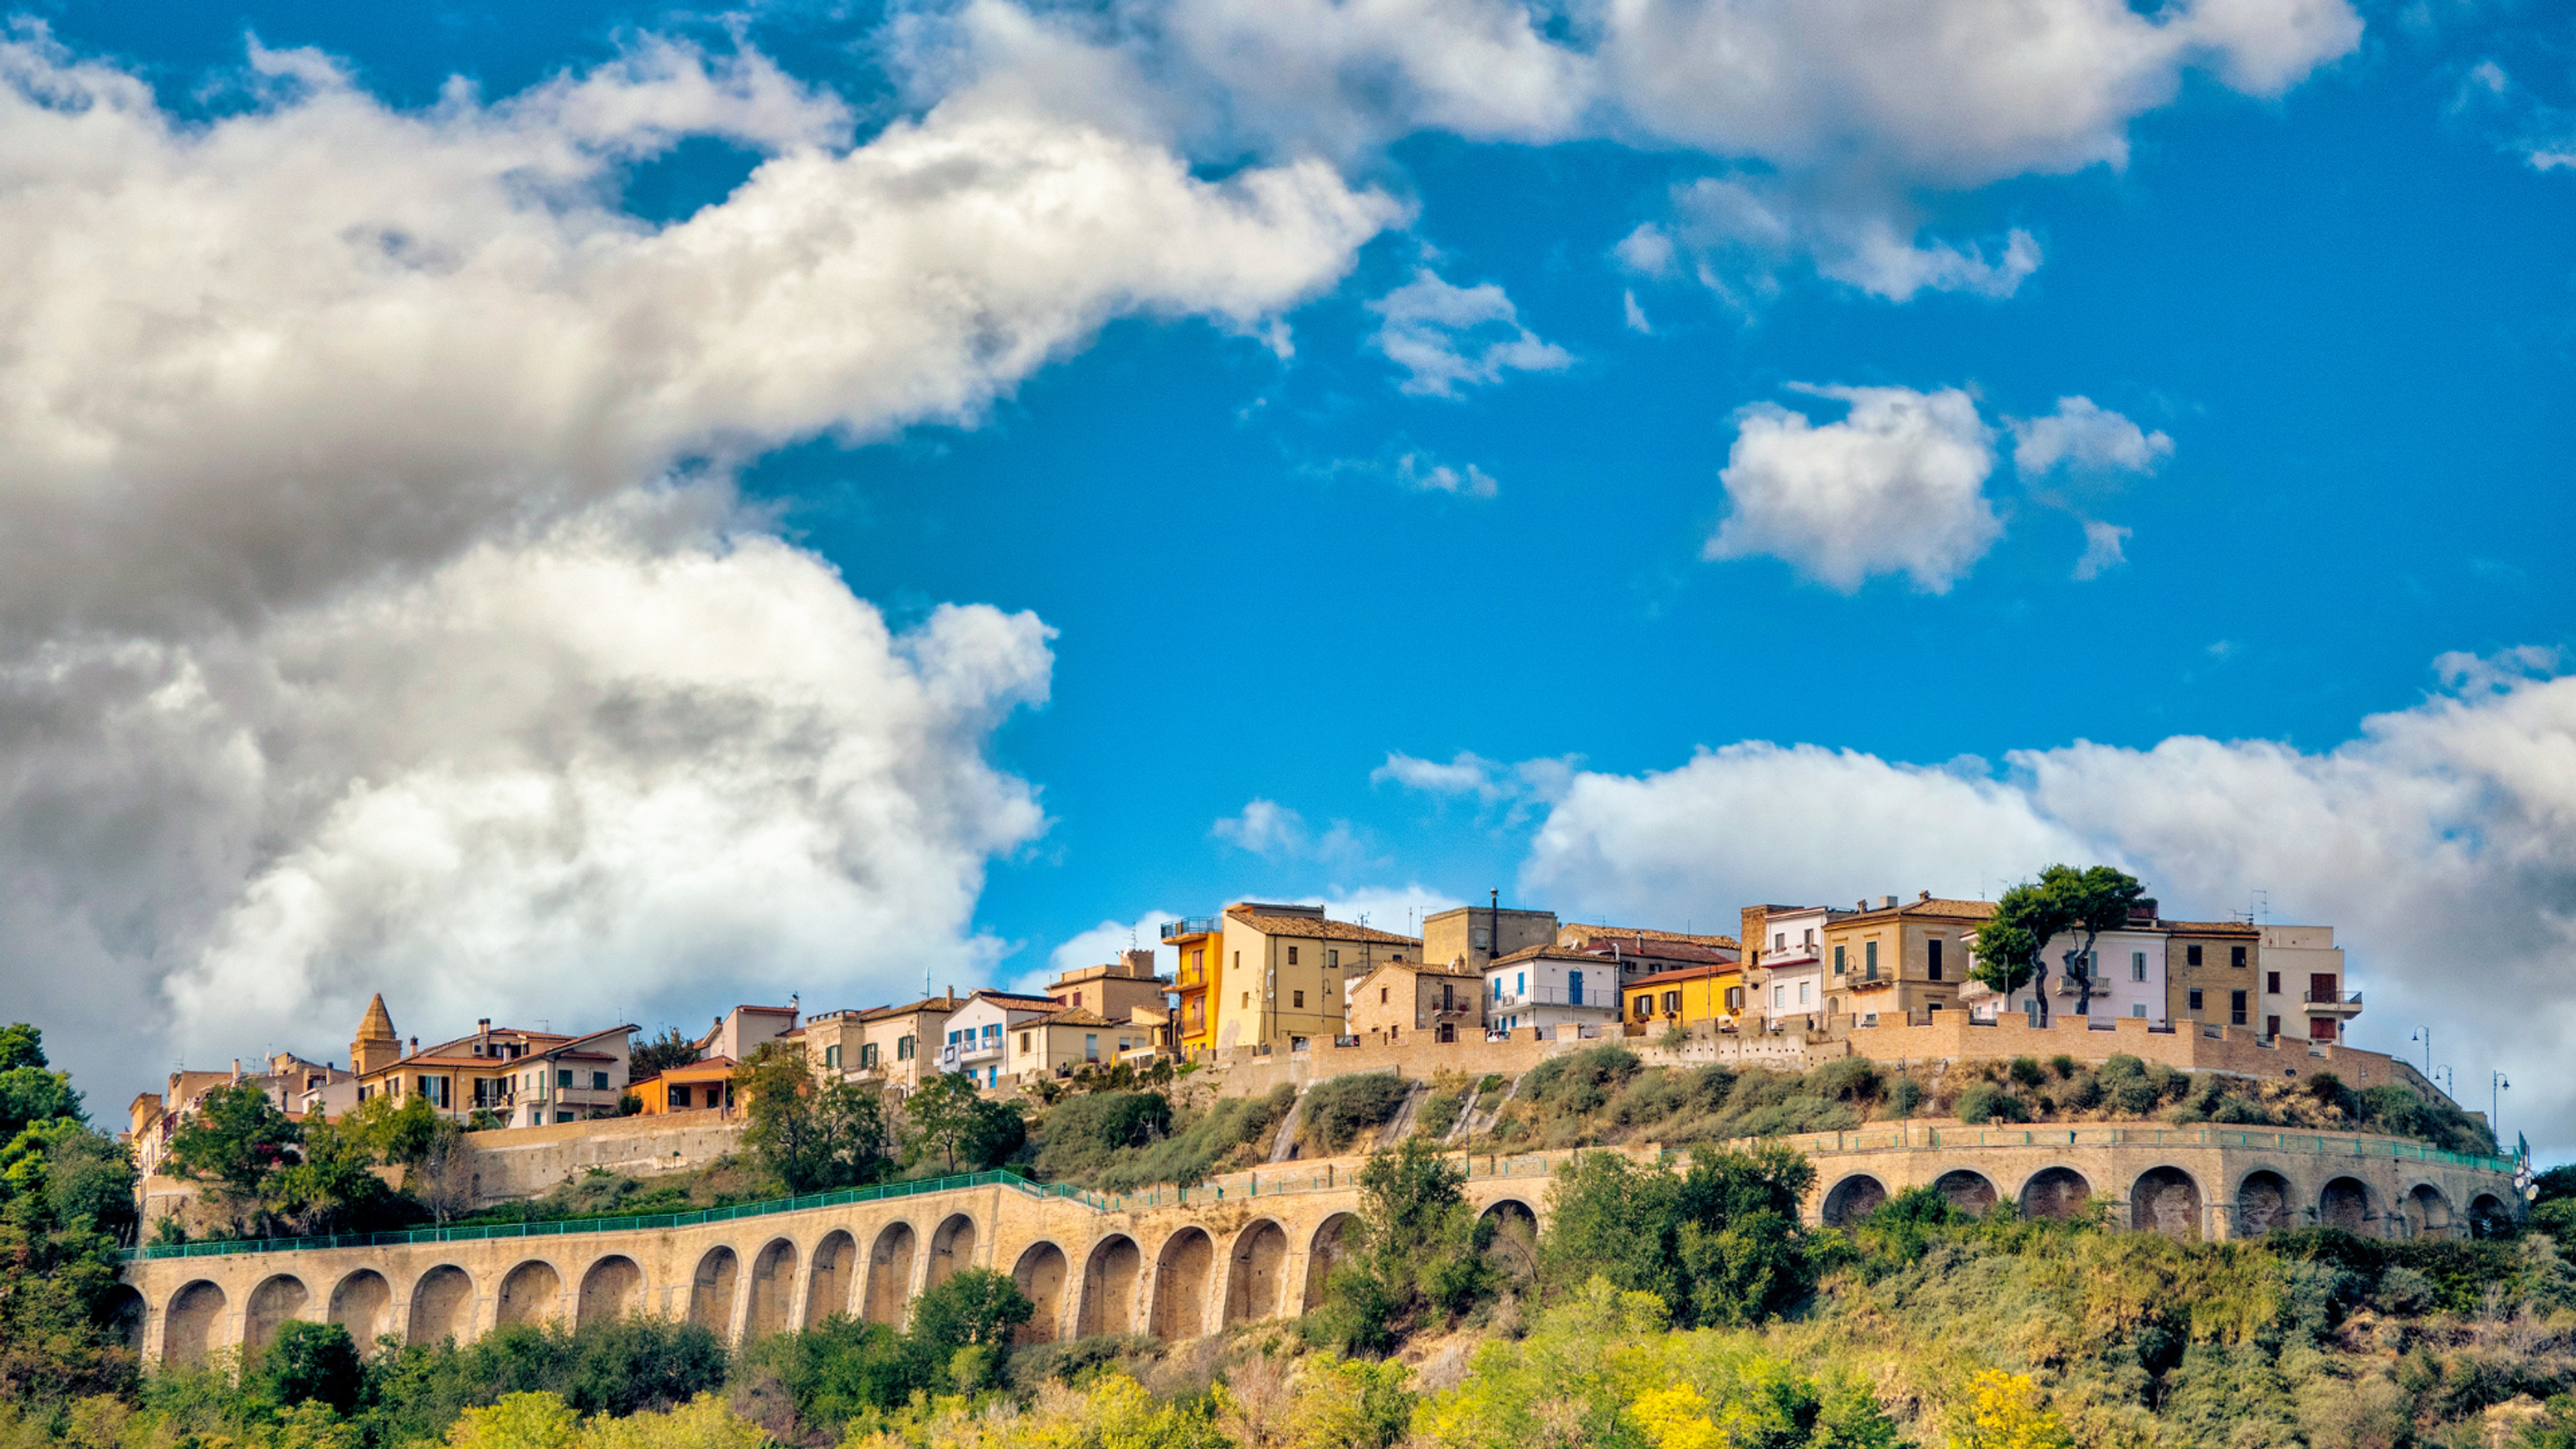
[519,1421]
[1677,1418]
[703,1423]
[2009,1414]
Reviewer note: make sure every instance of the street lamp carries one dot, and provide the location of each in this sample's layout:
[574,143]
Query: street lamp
[2497,1086]
[2424,1034]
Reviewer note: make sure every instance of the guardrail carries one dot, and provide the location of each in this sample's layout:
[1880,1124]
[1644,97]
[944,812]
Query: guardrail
[2315,1144]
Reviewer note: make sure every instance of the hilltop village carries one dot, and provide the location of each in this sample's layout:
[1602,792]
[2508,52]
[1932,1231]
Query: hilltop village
[1266,993]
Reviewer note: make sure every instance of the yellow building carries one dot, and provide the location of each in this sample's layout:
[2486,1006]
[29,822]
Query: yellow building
[1890,960]
[522,1078]
[1713,992]
[691,1088]
[1265,974]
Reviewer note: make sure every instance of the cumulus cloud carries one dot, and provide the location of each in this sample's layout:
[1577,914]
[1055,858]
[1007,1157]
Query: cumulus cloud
[1264,827]
[1448,337]
[1739,235]
[2104,548]
[373,610]
[1897,486]
[2084,435]
[1488,782]
[1103,944]
[1414,471]
[2444,823]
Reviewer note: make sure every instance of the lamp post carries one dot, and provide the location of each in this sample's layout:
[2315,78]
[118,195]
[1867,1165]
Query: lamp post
[2424,1034]
[2497,1086]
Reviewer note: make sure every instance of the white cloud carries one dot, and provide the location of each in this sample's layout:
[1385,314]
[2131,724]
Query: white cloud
[1103,944]
[373,612]
[1634,315]
[2441,844]
[1895,487]
[2082,435]
[1266,828]
[1449,337]
[1490,782]
[1740,234]
[2103,548]
[1389,908]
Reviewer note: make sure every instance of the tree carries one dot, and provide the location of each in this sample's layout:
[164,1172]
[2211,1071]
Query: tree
[659,1054]
[948,1115]
[333,1187]
[1719,1245]
[812,1137]
[1418,1250]
[971,1308]
[66,1204]
[313,1362]
[236,1138]
[2063,901]
[2007,1412]
[28,1092]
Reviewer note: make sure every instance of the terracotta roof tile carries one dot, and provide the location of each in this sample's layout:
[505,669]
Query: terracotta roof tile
[1583,932]
[1315,928]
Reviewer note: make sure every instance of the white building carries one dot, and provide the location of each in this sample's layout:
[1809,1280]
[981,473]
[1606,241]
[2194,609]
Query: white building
[978,1040]
[1791,991]
[2128,971]
[2303,988]
[1548,986]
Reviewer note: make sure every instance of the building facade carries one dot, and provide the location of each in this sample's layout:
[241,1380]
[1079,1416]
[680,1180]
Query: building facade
[1283,970]
[977,1036]
[1474,935]
[501,1075]
[1892,959]
[2303,989]
[1443,1002]
[1550,986]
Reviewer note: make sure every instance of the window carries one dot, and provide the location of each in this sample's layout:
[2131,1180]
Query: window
[1497,984]
[2271,1026]
[1332,960]
[679,1095]
[2195,998]
[1779,940]
[563,1078]
[905,1046]
[1810,942]
[599,1081]
[1247,1001]
[831,1056]
[1024,1040]
[1641,1006]
[563,1116]
[1077,998]
[868,1055]
[1869,954]
[993,1033]
[1806,991]
[1292,955]
[1838,960]
[1735,1001]
[1448,996]
[1779,997]
[2191,955]
[1297,1000]
[2137,965]
[2236,957]
[1932,956]
[1574,988]
[1672,1003]
[2236,1008]
[2137,1008]
[1091,1046]
[1381,996]
[1520,984]
[953,1036]
[1480,938]
[2272,982]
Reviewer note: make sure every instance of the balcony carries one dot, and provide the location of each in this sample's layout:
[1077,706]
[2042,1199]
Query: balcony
[2334,1003]
[1193,926]
[1550,996]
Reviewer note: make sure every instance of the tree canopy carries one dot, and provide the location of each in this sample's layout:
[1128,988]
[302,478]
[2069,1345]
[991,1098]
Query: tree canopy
[2063,901]
[947,1115]
[812,1136]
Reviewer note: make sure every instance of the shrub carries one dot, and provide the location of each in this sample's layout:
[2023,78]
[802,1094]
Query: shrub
[1338,1110]
[2063,1065]
[1083,1134]
[1985,1102]
[1853,1079]
[971,1308]
[1580,1082]
[840,1368]
[1442,1109]
[313,1361]
[1904,1097]
[2025,1070]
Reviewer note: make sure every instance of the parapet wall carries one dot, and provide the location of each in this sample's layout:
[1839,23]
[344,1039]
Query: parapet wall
[517,1162]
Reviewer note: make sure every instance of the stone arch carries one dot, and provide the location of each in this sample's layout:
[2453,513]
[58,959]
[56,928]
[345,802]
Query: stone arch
[1969,1191]
[2055,1192]
[951,1248]
[2489,1217]
[613,1288]
[2427,1210]
[1181,1273]
[121,1313]
[1109,1287]
[1040,1278]
[2345,1203]
[1330,1245]
[828,1282]
[277,1299]
[530,1293]
[711,1290]
[442,1305]
[2167,1200]
[1515,1233]
[2263,1203]
[192,1324]
[1254,1271]
[889,1274]
[773,1280]
[362,1303]
[1853,1198]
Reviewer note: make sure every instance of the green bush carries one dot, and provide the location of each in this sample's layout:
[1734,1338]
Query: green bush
[1853,1079]
[313,1362]
[1082,1135]
[1903,1098]
[2025,1070]
[1441,1110]
[1986,1102]
[1338,1109]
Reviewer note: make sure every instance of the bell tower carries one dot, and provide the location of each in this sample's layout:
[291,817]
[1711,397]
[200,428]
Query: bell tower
[376,1045]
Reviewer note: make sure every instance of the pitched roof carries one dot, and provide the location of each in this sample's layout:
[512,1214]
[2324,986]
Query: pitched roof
[1546,953]
[1074,1016]
[1685,973]
[927,1003]
[1936,908]
[1583,932]
[2210,928]
[1428,968]
[377,1024]
[1318,928]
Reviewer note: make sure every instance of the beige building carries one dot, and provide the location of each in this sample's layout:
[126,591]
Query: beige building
[1285,971]
[1115,991]
[1444,1002]
[521,1078]
[2304,990]
[1475,935]
[1056,1044]
[2213,972]
[1887,961]
[741,1032]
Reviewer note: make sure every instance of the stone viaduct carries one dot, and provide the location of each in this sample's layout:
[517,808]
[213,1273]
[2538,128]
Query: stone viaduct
[1180,1263]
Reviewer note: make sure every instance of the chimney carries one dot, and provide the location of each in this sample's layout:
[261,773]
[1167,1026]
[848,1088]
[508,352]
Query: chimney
[1887,903]
[1923,895]
[482,1026]
[415,1046]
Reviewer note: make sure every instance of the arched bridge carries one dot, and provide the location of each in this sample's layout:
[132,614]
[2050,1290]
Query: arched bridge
[1179,1263]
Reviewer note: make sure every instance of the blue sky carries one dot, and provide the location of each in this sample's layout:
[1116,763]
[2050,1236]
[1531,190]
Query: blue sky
[1600,419]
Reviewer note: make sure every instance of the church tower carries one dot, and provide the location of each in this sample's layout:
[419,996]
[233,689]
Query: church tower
[376,1045]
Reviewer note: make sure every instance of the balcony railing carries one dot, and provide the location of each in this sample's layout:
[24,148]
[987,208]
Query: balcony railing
[2324,1001]
[1552,996]
[1193,926]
